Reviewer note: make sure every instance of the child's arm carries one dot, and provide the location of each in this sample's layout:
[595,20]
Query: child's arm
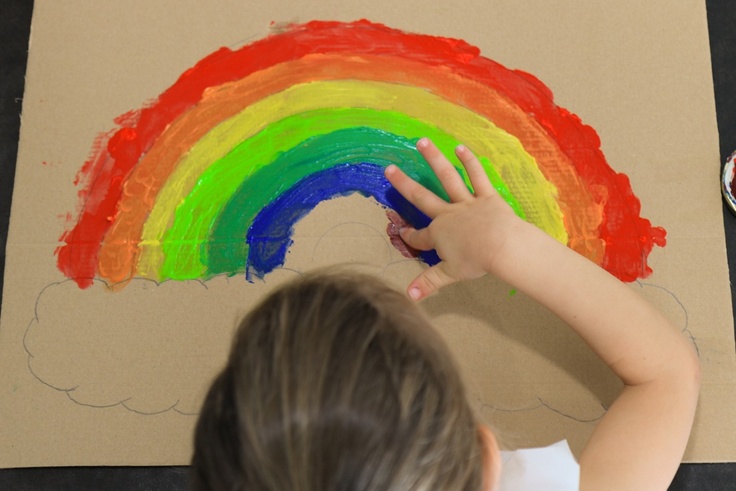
[640,441]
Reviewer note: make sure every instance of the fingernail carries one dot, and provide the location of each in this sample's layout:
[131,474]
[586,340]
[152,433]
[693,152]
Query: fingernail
[415,293]
[423,143]
[460,148]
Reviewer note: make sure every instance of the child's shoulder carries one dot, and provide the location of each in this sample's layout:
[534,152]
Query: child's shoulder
[552,468]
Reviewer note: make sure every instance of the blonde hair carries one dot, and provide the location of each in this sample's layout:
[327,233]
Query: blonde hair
[337,382]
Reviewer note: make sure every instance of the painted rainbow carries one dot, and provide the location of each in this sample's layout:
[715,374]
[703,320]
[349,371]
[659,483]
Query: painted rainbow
[210,178]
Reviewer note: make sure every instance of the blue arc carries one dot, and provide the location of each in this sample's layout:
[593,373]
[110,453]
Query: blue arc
[269,236]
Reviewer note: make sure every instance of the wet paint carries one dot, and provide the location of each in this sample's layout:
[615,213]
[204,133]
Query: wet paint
[270,235]
[214,192]
[163,154]
[278,122]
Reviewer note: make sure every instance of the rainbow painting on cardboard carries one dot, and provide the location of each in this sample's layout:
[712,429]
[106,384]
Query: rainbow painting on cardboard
[210,177]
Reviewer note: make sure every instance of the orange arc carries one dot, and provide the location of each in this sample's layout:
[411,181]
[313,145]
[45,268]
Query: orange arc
[582,212]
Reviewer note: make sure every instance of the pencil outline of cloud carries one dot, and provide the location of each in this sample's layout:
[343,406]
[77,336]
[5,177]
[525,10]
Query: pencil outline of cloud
[53,361]
[372,232]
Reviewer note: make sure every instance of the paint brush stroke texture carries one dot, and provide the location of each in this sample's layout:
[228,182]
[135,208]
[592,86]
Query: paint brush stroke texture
[186,187]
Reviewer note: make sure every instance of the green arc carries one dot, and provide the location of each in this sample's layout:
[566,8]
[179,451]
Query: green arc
[211,213]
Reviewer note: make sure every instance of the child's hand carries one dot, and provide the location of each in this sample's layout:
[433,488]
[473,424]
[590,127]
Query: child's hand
[469,233]
[639,442]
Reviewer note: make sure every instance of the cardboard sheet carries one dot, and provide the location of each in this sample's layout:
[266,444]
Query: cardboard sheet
[99,377]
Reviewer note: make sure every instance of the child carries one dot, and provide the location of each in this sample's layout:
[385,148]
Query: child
[337,382]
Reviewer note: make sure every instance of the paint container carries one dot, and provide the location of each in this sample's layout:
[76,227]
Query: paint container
[728,185]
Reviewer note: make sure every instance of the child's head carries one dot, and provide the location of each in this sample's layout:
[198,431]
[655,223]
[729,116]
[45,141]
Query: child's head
[337,381]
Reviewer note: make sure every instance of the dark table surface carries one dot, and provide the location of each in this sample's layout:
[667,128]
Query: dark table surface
[15,20]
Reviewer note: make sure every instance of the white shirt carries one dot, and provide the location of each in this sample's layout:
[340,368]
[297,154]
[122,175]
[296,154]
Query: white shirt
[550,468]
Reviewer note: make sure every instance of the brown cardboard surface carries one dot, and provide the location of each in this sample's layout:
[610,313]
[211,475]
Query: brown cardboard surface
[133,365]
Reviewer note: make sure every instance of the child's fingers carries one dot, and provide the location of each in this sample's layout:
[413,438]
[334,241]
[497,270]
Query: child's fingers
[429,282]
[424,199]
[448,175]
[478,177]
[418,239]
